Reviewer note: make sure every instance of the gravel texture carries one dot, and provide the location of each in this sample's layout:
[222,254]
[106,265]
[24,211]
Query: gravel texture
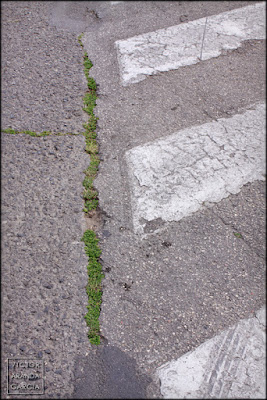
[43,82]
[43,259]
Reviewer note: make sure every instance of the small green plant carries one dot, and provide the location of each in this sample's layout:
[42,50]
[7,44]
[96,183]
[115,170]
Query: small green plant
[93,288]
[238,235]
[80,40]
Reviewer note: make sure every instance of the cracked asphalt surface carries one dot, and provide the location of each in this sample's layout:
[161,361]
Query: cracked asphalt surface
[164,295]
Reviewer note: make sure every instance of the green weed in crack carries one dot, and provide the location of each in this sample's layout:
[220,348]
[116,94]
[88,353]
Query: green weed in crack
[90,195]
[31,133]
[36,134]
[93,288]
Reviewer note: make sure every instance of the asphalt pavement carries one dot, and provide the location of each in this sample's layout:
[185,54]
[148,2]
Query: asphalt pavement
[181,184]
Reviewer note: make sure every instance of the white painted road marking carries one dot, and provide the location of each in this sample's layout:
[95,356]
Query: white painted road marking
[181,45]
[172,177]
[231,365]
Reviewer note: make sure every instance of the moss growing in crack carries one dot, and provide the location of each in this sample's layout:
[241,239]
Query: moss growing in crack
[10,130]
[31,133]
[90,194]
[34,134]
[93,288]
[90,102]
[80,40]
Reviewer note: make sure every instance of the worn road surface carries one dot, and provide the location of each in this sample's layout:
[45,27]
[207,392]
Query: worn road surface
[181,216]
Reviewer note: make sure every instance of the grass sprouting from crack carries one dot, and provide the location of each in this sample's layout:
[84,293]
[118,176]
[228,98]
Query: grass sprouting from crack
[93,288]
[34,134]
[90,195]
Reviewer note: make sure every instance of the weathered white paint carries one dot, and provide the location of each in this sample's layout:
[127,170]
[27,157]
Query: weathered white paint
[172,177]
[231,365]
[188,43]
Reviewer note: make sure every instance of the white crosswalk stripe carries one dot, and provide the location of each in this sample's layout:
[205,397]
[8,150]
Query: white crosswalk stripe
[187,44]
[172,177]
[223,367]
